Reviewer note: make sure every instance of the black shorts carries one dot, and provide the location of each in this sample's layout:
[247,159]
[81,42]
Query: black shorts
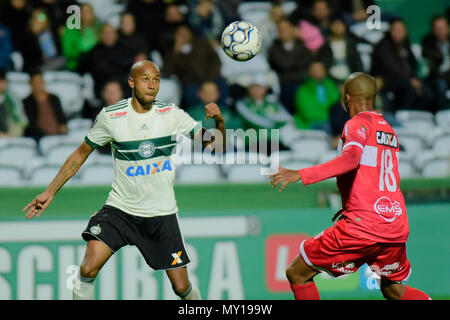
[158,238]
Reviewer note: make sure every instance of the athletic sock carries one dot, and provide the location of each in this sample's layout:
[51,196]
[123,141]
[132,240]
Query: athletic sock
[191,294]
[306,291]
[414,294]
[84,289]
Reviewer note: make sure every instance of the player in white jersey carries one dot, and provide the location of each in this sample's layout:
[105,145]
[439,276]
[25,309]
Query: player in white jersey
[141,209]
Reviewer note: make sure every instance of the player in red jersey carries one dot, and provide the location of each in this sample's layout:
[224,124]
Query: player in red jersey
[373,225]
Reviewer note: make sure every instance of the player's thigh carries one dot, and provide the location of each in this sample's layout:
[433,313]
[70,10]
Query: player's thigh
[179,279]
[298,272]
[96,255]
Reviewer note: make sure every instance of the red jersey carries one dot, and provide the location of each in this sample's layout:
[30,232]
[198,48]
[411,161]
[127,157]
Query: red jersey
[368,180]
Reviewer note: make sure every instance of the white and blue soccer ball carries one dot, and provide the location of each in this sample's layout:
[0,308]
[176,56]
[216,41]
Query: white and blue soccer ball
[241,40]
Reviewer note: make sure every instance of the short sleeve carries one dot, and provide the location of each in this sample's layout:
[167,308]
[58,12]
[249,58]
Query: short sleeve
[99,134]
[185,124]
[354,133]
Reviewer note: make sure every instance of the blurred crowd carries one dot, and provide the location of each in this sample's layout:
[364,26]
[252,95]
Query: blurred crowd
[311,50]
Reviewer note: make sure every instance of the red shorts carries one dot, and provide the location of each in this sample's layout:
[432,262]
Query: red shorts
[336,252]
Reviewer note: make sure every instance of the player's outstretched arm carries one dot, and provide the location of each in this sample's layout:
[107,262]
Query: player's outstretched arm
[284,176]
[218,141]
[68,169]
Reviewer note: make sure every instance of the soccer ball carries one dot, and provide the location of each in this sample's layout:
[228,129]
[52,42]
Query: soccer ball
[241,40]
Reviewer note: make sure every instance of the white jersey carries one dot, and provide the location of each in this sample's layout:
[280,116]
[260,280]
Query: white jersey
[142,145]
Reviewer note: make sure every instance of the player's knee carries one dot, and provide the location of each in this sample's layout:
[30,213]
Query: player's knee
[392,291]
[293,276]
[180,288]
[88,271]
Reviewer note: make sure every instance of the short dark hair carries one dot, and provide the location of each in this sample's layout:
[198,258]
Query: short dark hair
[436,17]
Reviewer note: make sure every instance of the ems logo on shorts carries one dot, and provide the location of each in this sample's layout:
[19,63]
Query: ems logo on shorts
[176,258]
[146,149]
[95,230]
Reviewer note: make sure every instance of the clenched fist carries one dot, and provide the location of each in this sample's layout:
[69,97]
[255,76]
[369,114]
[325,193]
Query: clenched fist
[212,111]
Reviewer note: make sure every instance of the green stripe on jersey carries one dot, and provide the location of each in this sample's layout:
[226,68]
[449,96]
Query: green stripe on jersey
[194,131]
[119,105]
[91,144]
[135,155]
[134,144]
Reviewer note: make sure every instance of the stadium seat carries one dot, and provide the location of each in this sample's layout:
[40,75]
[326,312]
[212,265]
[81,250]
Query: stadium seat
[96,174]
[296,164]
[18,83]
[365,51]
[18,141]
[77,124]
[245,174]
[68,86]
[441,146]
[372,36]
[199,173]
[406,169]
[58,154]
[48,142]
[437,168]
[10,176]
[289,133]
[17,156]
[412,145]
[407,115]
[43,175]
[169,91]
[443,118]
[309,149]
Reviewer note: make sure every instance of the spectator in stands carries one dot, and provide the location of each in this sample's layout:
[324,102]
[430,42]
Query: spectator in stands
[394,61]
[268,27]
[106,61]
[76,42]
[57,13]
[43,110]
[133,42]
[15,14]
[339,53]
[207,21]
[173,18]
[258,110]
[315,97]
[290,59]
[194,61]
[112,93]
[149,16]
[321,13]
[436,49]
[6,47]
[39,47]
[12,117]
[208,92]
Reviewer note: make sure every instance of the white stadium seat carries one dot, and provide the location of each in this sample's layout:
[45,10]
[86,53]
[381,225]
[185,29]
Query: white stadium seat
[443,118]
[437,168]
[199,173]
[18,83]
[296,164]
[58,154]
[17,155]
[246,174]
[408,115]
[68,86]
[42,176]
[77,124]
[412,145]
[406,169]
[309,149]
[10,176]
[441,146]
[96,174]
